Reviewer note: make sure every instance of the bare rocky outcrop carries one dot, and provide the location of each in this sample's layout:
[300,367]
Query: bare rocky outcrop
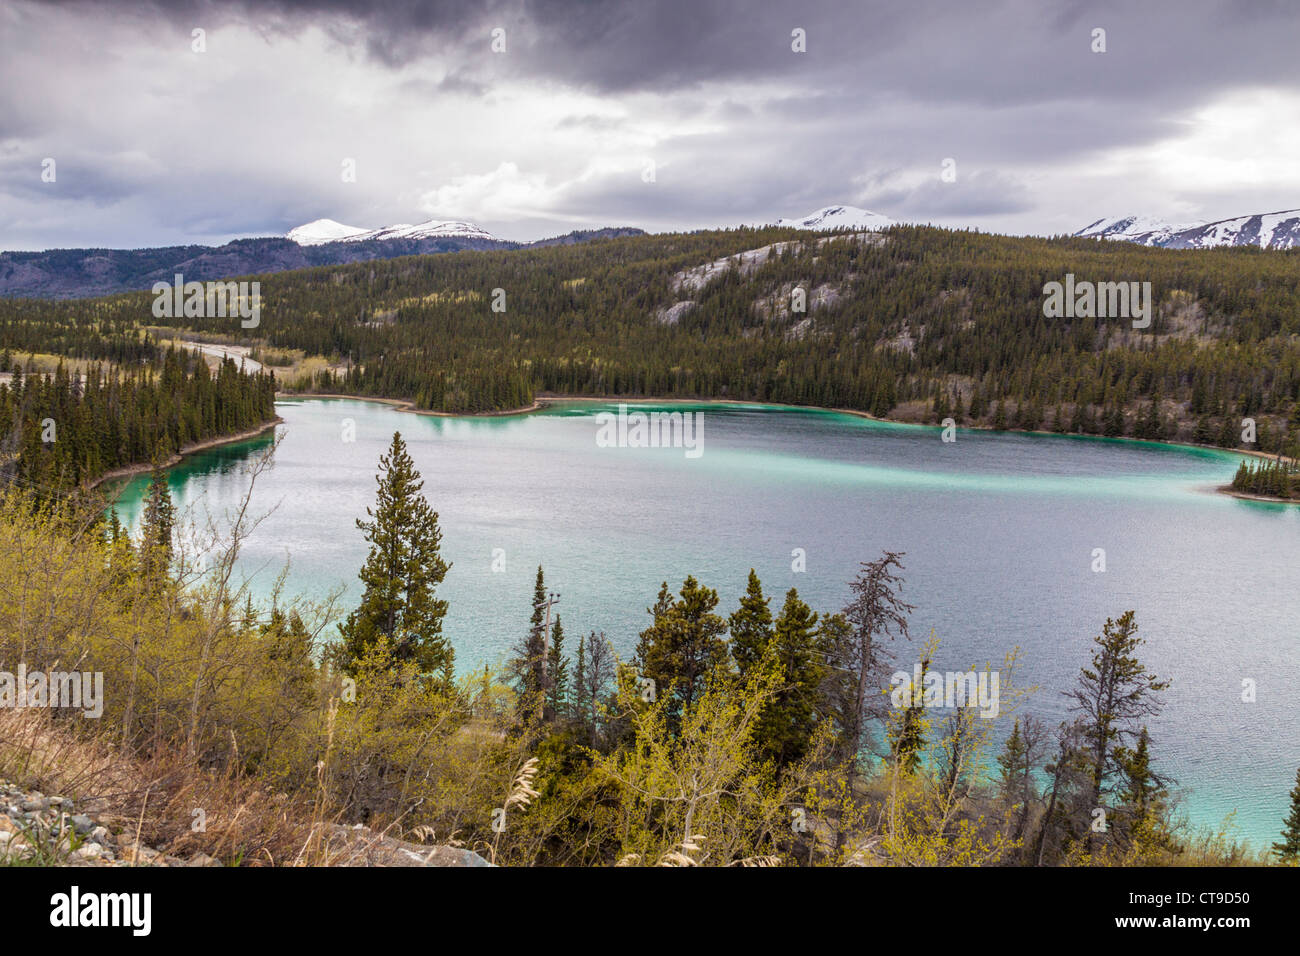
[42,830]
[746,263]
[53,831]
[361,846]
[670,315]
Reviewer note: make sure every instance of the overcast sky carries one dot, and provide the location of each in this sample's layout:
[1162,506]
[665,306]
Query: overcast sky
[1191,113]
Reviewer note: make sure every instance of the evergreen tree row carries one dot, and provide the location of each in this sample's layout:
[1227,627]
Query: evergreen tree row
[63,430]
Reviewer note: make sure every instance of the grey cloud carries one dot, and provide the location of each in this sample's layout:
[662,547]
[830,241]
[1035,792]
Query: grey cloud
[978,194]
[884,93]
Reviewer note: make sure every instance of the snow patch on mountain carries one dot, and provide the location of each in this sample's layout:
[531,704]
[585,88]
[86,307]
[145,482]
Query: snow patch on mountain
[320,231]
[327,230]
[1145,230]
[1274,230]
[839,217]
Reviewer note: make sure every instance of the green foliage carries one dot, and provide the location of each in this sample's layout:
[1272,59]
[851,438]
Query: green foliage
[787,723]
[1288,850]
[750,626]
[684,645]
[1112,695]
[157,525]
[527,666]
[1276,478]
[557,674]
[113,417]
[401,574]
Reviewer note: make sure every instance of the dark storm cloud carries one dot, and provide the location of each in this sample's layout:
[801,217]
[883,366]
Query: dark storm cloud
[742,127]
[998,53]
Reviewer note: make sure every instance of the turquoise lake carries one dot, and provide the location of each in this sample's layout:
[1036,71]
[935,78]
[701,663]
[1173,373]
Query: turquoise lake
[999,532]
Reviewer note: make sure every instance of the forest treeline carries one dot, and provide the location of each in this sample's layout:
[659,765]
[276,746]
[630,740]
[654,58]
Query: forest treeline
[755,731]
[1274,478]
[62,430]
[927,324]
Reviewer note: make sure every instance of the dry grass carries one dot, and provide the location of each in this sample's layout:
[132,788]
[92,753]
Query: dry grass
[168,802]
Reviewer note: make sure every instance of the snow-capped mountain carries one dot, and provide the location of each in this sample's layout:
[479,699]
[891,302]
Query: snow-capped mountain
[327,230]
[1273,230]
[1140,229]
[321,231]
[1270,230]
[839,217]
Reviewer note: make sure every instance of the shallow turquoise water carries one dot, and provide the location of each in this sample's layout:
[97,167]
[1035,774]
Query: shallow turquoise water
[999,532]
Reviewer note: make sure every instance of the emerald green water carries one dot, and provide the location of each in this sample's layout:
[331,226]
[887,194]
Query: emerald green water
[999,532]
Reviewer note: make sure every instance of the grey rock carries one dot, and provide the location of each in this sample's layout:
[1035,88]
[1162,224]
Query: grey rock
[361,846]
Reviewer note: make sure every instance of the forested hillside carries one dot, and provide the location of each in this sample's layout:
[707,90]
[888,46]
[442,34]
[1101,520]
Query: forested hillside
[915,323]
[59,431]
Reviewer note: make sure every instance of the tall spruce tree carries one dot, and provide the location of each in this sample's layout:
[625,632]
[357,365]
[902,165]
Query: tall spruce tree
[910,737]
[157,524]
[579,696]
[557,675]
[527,665]
[787,722]
[751,626]
[401,573]
[1112,696]
[683,646]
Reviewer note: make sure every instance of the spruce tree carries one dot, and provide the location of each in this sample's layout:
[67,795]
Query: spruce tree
[157,525]
[1288,851]
[1112,695]
[684,645]
[787,722]
[527,666]
[401,574]
[1016,773]
[1144,797]
[579,708]
[909,740]
[751,626]
[557,675]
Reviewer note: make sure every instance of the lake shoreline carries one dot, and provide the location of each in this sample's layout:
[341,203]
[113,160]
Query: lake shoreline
[193,448]
[547,400]
[405,405]
[1247,496]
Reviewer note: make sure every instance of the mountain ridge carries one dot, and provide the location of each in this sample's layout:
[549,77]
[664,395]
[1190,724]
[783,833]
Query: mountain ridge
[84,273]
[1269,230]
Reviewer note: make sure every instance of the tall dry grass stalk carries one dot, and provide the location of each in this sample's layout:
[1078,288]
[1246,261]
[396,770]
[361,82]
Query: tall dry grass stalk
[520,794]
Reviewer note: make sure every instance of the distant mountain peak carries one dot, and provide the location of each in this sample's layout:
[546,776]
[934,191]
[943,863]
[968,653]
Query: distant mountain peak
[327,230]
[320,231]
[839,217]
[1272,230]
